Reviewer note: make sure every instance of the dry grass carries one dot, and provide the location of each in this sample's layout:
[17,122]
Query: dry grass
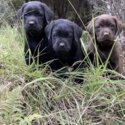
[38,97]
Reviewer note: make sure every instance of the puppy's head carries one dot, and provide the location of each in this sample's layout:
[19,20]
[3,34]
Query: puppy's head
[63,35]
[106,27]
[36,16]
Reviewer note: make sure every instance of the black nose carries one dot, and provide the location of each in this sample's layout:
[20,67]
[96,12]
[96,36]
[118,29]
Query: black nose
[62,44]
[31,23]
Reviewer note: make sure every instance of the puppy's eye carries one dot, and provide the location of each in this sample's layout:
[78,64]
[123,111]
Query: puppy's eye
[30,13]
[70,35]
[54,35]
[97,28]
[38,14]
[27,14]
[112,26]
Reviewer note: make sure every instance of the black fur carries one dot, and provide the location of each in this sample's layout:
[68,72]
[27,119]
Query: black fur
[36,16]
[64,45]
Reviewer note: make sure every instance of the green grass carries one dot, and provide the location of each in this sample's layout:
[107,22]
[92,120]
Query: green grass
[39,97]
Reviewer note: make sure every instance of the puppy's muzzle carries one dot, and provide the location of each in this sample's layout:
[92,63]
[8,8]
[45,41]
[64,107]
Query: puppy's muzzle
[106,34]
[61,48]
[32,26]
[31,23]
[62,45]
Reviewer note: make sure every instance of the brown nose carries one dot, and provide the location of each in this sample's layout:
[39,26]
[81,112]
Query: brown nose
[106,33]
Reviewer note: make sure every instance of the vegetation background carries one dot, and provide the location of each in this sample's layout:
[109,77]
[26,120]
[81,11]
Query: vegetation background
[41,97]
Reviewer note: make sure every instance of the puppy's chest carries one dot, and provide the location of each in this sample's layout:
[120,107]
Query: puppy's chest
[106,54]
[35,44]
[66,61]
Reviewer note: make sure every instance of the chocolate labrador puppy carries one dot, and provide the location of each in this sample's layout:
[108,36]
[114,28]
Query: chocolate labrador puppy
[106,28]
[64,45]
[36,16]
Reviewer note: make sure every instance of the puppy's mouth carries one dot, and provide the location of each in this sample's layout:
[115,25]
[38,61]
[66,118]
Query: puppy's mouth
[61,49]
[106,42]
[33,29]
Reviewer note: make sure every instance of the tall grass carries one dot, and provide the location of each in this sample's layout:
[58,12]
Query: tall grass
[40,97]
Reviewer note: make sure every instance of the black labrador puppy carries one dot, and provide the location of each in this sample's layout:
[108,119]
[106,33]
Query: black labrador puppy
[64,46]
[36,16]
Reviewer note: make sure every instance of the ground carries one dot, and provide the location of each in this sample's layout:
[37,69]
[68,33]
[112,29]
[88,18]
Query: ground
[39,97]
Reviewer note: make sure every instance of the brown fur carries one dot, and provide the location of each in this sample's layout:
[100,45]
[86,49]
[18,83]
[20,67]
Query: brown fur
[105,29]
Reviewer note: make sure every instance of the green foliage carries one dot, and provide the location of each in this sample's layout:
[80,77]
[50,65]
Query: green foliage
[40,97]
[11,107]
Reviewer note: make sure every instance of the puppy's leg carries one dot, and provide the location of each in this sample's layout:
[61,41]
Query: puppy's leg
[119,59]
[56,65]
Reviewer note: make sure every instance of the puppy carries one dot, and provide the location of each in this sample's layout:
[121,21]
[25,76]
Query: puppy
[36,16]
[64,45]
[106,28]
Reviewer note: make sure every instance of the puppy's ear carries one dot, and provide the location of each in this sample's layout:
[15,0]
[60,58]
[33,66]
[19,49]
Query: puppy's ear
[91,25]
[49,15]
[76,44]
[119,25]
[77,32]
[48,30]
[20,11]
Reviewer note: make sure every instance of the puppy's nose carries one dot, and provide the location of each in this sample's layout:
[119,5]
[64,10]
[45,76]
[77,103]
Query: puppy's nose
[31,22]
[62,44]
[106,33]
